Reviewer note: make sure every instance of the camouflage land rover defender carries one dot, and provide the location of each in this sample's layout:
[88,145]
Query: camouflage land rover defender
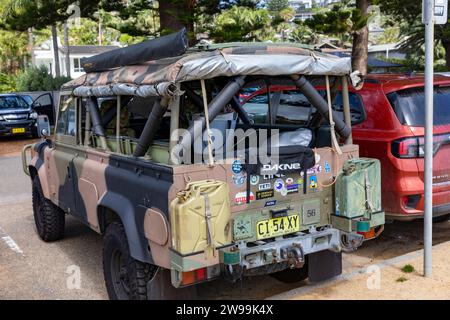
[190,176]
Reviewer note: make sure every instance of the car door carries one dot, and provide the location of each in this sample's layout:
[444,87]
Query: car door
[65,151]
[43,105]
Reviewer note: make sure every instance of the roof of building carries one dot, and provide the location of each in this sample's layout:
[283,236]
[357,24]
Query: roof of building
[384,47]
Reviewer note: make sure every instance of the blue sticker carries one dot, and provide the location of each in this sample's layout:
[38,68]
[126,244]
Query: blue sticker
[327,167]
[236,167]
[239,180]
[313,182]
[279,185]
[270,203]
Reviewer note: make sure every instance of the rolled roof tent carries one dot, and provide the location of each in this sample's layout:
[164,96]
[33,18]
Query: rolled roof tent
[172,45]
[153,67]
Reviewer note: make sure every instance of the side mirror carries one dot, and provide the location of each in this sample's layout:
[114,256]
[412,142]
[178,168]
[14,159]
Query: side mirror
[43,126]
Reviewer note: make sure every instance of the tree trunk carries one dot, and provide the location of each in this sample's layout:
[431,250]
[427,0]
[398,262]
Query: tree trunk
[31,47]
[176,14]
[56,51]
[360,51]
[67,48]
[446,45]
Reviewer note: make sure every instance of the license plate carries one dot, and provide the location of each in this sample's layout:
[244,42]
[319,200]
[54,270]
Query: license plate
[277,227]
[18,130]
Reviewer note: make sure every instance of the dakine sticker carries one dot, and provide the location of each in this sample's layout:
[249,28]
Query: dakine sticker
[273,176]
[279,185]
[239,180]
[270,203]
[236,167]
[254,180]
[265,186]
[313,182]
[264,194]
[241,197]
[327,167]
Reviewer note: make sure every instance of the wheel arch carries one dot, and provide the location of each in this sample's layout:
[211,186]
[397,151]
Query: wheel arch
[115,207]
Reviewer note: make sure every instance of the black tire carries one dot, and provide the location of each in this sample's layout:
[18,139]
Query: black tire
[292,275]
[440,219]
[49,219]
[125,277]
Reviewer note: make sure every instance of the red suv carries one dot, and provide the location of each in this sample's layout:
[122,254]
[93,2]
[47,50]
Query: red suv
[388,124]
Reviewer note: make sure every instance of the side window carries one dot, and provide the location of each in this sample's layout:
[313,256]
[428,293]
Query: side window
[67,117]
[357,111]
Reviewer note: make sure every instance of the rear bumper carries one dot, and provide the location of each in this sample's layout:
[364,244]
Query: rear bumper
[438,211]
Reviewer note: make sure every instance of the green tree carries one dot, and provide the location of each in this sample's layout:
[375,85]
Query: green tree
[20,15]
[346,22]
[240,24]
[13,51]
[39,79]
[275,6]
[412,29]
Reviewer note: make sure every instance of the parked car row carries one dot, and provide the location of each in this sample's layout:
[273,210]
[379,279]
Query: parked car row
[388,124]
[18,113]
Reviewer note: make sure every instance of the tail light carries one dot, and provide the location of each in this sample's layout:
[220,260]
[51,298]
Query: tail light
[408,148]
[192,277]
[414,147]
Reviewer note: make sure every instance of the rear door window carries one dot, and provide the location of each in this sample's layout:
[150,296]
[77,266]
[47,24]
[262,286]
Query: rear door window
[409,106]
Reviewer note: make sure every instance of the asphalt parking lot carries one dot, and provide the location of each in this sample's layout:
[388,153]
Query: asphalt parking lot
[32,269]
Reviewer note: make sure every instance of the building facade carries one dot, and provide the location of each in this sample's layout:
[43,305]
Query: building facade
[44,55]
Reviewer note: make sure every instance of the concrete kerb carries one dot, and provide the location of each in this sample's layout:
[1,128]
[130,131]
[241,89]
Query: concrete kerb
[350,275]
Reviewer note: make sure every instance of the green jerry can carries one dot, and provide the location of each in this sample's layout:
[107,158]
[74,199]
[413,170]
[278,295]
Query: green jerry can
[358,195]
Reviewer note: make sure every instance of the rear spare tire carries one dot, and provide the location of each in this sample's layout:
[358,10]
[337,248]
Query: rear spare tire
[49,219]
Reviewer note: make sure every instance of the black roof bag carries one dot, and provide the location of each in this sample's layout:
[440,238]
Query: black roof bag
[172,45]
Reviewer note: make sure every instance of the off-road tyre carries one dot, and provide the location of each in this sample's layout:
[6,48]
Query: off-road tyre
[292,275]
[125,277]
[49,219]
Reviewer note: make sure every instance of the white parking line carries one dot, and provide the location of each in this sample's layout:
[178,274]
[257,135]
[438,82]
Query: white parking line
[10,242]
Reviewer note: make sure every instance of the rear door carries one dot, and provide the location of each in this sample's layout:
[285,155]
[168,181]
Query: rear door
[409,106]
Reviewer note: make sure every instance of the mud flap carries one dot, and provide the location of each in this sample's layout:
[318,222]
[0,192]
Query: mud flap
[161,288]
[324,265]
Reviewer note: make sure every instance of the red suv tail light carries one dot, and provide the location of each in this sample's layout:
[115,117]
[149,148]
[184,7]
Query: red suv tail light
[414,147]
[408,148]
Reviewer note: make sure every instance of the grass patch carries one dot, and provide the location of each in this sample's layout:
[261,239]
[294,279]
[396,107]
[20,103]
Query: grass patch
[402,279]
[408,268]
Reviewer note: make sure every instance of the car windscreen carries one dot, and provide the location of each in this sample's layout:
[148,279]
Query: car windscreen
[409,106]
[13,102]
